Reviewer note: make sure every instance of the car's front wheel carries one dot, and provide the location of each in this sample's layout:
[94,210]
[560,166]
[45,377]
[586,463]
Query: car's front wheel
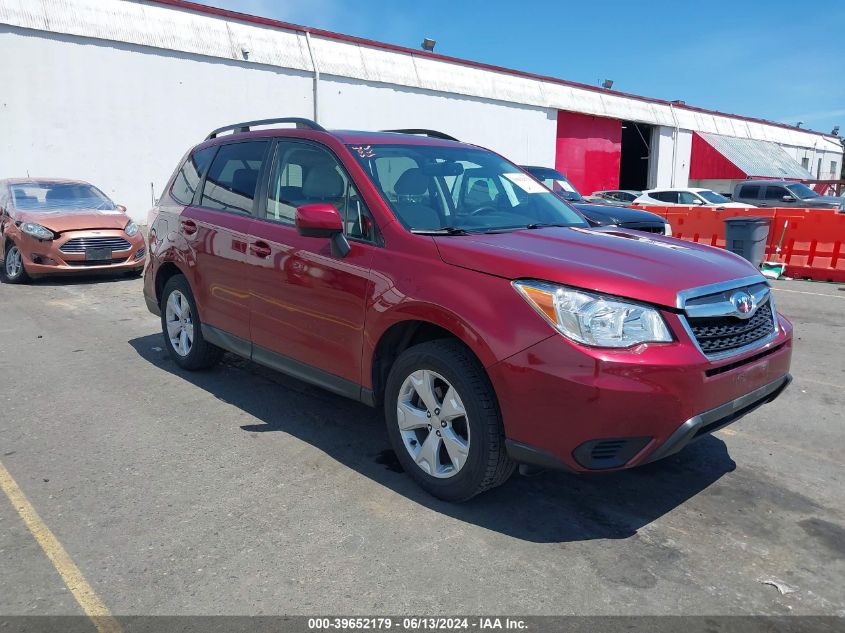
[13,270]
[444,421]
[182,328]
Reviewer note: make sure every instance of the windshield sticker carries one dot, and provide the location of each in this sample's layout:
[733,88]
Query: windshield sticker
[364,151]
[526,183]
[565,186]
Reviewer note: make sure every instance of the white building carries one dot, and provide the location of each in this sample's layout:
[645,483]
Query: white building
[115,91]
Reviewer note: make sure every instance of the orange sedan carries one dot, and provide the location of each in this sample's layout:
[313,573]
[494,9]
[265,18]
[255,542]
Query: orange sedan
[50,226]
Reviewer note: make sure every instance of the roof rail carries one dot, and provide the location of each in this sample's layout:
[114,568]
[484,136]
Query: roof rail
[246,125]
[424,132]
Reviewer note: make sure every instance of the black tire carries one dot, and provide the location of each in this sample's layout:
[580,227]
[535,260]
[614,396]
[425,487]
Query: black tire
[202,354]
[487,463]
[21,277]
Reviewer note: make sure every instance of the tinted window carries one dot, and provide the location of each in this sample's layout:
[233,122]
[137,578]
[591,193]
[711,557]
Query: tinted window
[188,178]
[306,174]
[665,196]
[233,176]
[800,190]
[749,191]
[775,193]
[687,197]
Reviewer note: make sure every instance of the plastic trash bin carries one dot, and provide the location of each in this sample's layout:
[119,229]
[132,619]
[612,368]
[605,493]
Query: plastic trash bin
[746,237]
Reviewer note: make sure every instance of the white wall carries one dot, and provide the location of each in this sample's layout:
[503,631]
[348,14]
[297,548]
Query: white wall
[121,115]
[660,165]
[524,134]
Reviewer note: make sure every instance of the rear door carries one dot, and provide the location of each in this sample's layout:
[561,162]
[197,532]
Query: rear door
[216,230]
[307,305]
[749,194]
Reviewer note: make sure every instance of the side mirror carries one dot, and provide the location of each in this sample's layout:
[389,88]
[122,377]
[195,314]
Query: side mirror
[789,198]
[121,208]
[322,219]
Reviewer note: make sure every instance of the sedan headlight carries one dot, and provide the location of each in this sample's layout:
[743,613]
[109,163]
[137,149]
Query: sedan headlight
[131,228]
[37,231]
[593,319]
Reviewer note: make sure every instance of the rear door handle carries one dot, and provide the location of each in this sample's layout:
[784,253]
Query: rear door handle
[189,227]
[260,249]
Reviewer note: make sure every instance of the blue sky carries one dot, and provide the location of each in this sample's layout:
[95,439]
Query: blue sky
[773,59]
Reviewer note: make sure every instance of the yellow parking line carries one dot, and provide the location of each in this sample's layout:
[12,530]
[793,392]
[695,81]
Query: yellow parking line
[72,577]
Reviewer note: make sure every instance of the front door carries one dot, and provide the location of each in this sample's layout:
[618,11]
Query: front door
[307,305]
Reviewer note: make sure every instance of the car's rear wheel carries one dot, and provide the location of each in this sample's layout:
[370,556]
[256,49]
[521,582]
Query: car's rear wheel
[444,422]
[182,328]
[13,270]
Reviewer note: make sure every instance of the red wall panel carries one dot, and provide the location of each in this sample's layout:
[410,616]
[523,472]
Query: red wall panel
[706,163]
[588,150]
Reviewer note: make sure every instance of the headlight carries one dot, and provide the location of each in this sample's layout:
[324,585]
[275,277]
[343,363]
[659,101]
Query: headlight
[131,228]
[37,231]
[593,319]
[667,229]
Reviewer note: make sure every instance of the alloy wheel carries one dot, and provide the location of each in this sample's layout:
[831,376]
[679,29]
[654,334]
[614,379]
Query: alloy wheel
[14,263]
[433,424]
[180,325]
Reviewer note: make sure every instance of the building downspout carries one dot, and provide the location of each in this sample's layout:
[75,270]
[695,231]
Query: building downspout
[316,78]
[675,133]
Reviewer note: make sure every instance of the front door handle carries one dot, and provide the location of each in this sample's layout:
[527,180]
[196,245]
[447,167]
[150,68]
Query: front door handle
[189,227]
[260,249]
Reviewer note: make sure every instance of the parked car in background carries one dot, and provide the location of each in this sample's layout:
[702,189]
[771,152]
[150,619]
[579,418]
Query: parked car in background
[605,214]
[438,280]
[52,226]
[785,193]
[625,196]
[688,197]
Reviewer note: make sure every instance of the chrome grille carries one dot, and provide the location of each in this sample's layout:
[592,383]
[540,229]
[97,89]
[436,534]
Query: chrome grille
[715,322]
[723,334]
[79,244]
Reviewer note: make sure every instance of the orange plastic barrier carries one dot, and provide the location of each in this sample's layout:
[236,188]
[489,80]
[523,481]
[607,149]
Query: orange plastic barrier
[811,242]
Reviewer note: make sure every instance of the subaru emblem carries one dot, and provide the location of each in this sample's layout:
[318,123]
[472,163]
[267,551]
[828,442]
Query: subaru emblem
[743,302]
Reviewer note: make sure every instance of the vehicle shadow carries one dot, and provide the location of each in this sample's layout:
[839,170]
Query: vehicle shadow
[550,507]
[82,279]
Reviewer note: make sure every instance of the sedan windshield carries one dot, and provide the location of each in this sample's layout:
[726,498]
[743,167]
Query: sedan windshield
[456,190]
[557,182]
[47,196]
[802,191]
[713,197]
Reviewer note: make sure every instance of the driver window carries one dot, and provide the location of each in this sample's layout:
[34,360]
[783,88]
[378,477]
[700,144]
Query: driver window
[686,197]
[307,174]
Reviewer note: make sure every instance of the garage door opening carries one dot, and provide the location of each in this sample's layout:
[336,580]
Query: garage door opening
[636,153]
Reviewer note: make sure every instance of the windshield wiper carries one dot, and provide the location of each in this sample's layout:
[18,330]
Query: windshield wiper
[542,225]
[446,230]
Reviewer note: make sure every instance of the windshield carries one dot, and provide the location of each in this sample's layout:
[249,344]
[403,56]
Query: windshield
[557,182]
[456,189]
[46,196]
[802,191]
[712,196]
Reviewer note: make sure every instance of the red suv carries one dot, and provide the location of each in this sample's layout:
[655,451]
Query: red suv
[437,279]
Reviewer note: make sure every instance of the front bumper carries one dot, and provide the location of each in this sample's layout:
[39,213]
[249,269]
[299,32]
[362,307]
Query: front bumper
[583,409]
[47,257]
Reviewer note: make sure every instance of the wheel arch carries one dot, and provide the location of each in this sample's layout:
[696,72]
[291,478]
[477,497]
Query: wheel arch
[413,328]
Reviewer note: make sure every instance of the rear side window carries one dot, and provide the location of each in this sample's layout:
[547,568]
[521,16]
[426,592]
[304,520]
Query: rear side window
[776,193]
[749,191]
[666,196]
[233,177]
[188,178]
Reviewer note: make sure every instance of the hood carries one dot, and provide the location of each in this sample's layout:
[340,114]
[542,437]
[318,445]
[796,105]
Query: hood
[647,268]
[61,220]
[826,201]
[612,214]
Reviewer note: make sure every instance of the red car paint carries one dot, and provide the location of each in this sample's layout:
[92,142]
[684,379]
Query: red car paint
[277,291]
